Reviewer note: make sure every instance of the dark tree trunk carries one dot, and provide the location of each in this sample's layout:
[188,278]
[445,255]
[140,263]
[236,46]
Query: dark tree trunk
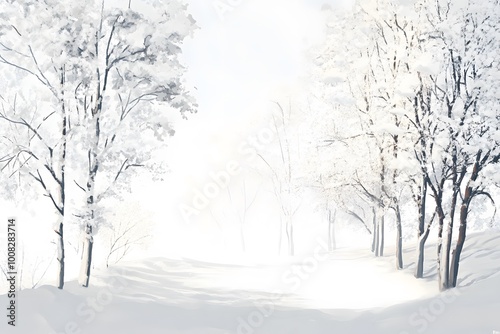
[419,271]
[422,233]
[456,181]
[455,260]
[443,284]
[60,255]
[399,239]
[462,232]
[377,238]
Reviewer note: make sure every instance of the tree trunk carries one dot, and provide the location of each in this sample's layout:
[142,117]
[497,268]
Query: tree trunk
[442,283]
[281,236]
[422,233]
[455,260]
[374,235]
[399,239]
[462,232]
[379,231]
[242,237]
[419,271]
[93,168]
[289,234]
[334,240]
[382,235]
[377,237]
[88,245]
[332,245]
[60,254]
[62,183]
[445,264]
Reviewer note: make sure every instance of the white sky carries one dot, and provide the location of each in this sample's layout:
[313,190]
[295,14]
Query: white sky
[246,51]
[241,60]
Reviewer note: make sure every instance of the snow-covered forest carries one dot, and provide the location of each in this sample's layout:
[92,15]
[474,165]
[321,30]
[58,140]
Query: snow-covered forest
[188,166]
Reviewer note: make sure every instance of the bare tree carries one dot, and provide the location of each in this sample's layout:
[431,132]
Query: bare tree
[123,238]
[243,212]
[285,182]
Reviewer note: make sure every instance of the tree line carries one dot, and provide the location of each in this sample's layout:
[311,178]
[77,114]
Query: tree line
[410,92]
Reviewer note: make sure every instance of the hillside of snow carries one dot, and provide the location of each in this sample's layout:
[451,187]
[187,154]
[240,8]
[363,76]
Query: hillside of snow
[347,291]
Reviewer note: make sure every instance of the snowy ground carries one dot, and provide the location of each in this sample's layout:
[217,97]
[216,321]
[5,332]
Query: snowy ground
[345,292]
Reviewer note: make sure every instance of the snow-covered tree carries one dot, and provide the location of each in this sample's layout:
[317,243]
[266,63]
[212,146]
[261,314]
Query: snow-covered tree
[36,141]
[367,79]
[464,106]
[111,75]
[420,81]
